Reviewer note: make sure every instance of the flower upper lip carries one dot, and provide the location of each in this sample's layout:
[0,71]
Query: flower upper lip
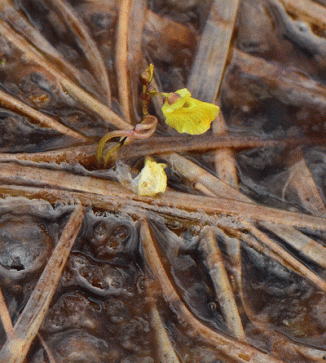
[187,114]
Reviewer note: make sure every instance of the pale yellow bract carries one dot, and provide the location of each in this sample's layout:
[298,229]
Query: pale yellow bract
[186,114]
[152,178]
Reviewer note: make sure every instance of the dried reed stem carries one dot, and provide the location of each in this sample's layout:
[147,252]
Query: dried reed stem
[207,70]
[84,155]
[17,345]
[233,349]
[183,143]
[307,11]
[5,316]
[121,60]
[214,262]
[137,17]
[164,347]
[225,164]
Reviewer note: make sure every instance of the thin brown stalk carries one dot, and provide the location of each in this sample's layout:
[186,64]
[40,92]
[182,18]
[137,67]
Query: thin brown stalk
[110,117]
[137,17]
[47,349]
[17,345]
[207,71]
[169,202]
[164,347]
[164,145]
[86,43]
[84,155]
[43,120]
[5,316]
[225,164]
[196,174]
[214,261]
[121,60]
[239,352]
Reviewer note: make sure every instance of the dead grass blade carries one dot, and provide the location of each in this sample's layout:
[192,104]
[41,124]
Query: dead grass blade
[207,71]
[239,352]
[225,165]
[121,60]
[85,155]
[37,116]
[86,43]
[111,118]
[17,345]
[137,17]
[47,349]
[164,347]
[5,316]
[214,262]
[308,11]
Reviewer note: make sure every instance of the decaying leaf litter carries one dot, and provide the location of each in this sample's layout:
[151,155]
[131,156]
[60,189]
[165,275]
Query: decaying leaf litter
[228,264]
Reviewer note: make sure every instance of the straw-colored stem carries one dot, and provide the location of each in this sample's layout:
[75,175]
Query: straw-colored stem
[207,70]
[84,155]
[182,143]
[214,262]
[164,347]
[5,316]
[26,328]
[121,60]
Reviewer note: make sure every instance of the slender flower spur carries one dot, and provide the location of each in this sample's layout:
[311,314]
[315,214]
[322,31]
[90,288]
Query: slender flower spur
[186,114]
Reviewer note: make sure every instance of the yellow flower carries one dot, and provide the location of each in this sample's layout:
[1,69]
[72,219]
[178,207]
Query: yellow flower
[151,180]
[186,114]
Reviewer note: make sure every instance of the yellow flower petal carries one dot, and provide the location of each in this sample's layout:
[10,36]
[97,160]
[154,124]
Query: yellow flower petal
[152,178]
[186,114]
